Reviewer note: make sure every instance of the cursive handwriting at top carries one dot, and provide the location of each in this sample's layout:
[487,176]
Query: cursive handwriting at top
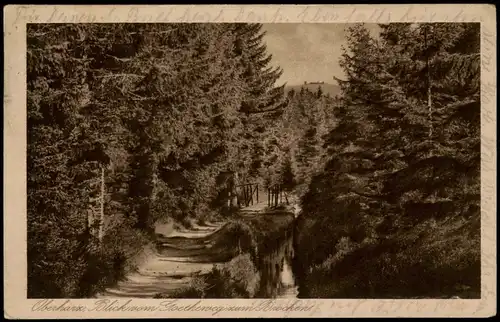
[247,13]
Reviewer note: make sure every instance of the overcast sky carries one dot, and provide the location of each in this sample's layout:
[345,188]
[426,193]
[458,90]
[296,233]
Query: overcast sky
[307,51]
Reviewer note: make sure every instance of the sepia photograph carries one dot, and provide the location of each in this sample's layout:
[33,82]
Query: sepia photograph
[253,160]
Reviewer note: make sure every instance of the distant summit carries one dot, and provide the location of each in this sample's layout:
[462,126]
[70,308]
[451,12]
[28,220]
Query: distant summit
[313,83]
[331,89]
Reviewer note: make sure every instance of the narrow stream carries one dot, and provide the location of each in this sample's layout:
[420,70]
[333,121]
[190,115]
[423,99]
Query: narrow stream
[275,265]
[181,257]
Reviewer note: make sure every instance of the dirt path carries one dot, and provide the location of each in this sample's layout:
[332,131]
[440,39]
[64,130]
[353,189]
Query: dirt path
[177,260]
[180,255]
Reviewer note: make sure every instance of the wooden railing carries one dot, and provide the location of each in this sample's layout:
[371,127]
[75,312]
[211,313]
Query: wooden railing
[275,196]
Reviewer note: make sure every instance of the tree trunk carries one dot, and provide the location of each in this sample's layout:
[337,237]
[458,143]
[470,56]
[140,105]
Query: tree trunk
[429,91]
[268,197]
[101,215]
[276,197]
[234,190]
[90,221]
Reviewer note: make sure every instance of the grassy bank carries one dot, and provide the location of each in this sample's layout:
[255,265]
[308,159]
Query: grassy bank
[238,278]
[241,242]
[433,258]
[98,266]
[121,252]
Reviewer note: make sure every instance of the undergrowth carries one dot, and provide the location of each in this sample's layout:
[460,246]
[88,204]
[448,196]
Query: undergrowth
[239,278]
[433,259]
[247,237]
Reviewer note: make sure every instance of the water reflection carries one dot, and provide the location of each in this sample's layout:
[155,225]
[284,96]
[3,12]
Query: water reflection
[275,266]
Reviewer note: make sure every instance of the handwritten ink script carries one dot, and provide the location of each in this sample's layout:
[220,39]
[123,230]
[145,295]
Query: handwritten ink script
[255,14]
[284,308]
[105,305]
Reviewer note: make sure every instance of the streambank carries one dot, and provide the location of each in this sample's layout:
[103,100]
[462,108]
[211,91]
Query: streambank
[434,258]
[255,251]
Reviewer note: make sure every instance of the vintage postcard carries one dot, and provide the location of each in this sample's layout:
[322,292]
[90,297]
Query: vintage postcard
[250,161]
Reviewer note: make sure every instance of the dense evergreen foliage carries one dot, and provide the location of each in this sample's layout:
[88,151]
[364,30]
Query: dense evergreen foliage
[396,210]
[152,113]
[131,124]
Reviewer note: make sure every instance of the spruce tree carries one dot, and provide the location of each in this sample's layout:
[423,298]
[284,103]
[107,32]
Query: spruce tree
[263,102]
[400,162]
[131,120]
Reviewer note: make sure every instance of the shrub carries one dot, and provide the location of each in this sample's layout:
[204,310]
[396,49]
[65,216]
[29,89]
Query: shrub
[238,278]
[433,259]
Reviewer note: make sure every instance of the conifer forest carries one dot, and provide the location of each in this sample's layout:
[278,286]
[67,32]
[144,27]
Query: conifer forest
[170,160]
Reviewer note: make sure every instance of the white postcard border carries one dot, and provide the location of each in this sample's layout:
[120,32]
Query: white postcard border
[16,305]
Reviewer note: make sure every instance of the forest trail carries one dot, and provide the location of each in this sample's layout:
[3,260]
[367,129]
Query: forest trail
[180,255]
